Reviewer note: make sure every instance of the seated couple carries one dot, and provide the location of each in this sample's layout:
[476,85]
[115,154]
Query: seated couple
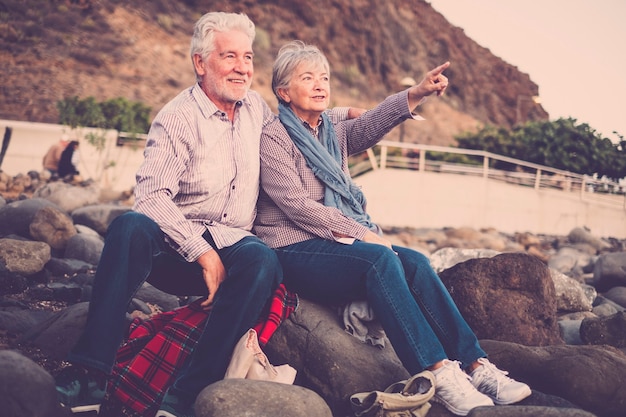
[202,225]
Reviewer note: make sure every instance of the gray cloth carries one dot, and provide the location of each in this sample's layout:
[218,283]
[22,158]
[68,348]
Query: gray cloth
[359,321]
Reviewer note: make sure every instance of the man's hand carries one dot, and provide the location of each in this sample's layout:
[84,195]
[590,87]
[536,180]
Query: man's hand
[213,272]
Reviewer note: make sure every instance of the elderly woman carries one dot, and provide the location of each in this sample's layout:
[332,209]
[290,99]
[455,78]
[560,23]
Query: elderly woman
[314,217]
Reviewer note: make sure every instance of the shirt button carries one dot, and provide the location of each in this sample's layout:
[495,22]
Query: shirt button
[233,187]
[224,214]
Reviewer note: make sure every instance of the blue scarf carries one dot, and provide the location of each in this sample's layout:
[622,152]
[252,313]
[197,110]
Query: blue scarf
[324,159]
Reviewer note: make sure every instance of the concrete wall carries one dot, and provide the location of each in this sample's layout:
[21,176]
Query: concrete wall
[426,199]
[395,197]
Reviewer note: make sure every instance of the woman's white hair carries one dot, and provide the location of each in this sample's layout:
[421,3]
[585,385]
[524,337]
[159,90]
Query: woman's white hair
[203,39]
[289,57]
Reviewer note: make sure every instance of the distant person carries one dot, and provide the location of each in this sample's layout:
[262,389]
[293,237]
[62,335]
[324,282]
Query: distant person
[314,216]
[68,161]
[53,156]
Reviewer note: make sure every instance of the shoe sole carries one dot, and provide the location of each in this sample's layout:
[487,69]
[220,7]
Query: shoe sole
[524,394]
[163,413]
[86,408]
[448,407]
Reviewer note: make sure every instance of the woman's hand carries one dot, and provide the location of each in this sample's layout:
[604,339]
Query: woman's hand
[371,237]
[213,272]
[433,82]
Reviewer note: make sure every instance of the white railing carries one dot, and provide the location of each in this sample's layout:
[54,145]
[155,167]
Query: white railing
[400,155]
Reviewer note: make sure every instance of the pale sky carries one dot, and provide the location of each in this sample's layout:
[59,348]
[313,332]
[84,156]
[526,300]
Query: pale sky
[572,49]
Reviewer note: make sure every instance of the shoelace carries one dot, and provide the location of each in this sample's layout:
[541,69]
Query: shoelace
[458,377]
[499,376]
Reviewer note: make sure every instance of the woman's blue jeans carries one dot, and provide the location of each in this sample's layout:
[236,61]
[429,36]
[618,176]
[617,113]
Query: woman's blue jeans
[135,251]
[407,297]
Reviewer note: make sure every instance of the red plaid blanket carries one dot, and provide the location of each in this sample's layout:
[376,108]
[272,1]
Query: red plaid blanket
[147,363]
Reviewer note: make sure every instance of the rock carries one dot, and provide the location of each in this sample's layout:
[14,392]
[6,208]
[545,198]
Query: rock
[570,294]
[153,295]
[70,293]
[581,235]
[512,291]
[525,411]
[527,239]
[603,307]
[17,216]
[67,196]
[421,237]
[27,389]
[509,297]
[570,331]
[610,271]
[84,247]
[437,236]
[80,228]
[605,330]
[67,266]
[18,321]
[98,217]
[589,376]
[57,335]
[243,397]
[570,261]
[11,282]
[448,257]
[617,295]
[24,257]
[52,226]
[329,360]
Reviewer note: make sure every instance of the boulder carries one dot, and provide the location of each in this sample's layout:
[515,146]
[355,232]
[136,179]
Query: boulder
[583,235]
[605,330]
[84,247]
[591,377]
[610,271]
[617,295]
[330,361]
[52,226]
[12,282]
[57,335]
[526,411]
[67,196]
[26,389]
[570,294]
[24,257]
[244,397]
[98,217]
[509,297]
[446,258]
[16,217]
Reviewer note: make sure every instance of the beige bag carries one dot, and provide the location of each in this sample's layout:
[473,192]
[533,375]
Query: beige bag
[249,362]
[407,398]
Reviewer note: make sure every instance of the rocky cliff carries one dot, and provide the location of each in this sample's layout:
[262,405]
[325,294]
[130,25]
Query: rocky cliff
[50,50]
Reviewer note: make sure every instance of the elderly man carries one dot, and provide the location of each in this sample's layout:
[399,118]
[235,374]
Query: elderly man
[190,230]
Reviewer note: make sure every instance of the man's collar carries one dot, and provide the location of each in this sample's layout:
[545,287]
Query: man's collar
[207,107]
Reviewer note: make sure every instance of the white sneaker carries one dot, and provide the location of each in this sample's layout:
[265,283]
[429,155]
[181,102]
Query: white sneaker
[455,391]
[495,383]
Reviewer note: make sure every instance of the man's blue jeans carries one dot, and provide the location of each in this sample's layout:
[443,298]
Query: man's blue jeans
[135,251]
[407,297]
